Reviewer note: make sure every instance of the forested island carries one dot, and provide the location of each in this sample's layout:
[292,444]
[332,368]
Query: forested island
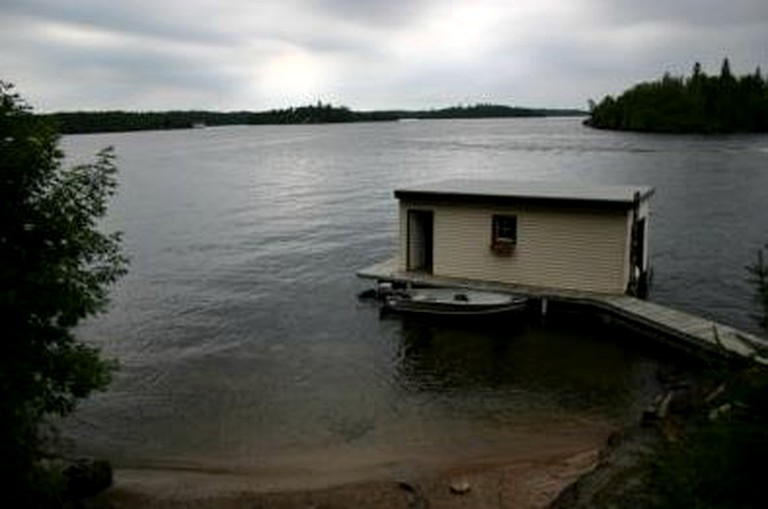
[696,104]
[82,122]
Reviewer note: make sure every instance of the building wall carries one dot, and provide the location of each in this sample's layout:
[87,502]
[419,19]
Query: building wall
[582,249]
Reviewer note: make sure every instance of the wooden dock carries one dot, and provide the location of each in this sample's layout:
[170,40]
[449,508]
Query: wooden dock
[685,329]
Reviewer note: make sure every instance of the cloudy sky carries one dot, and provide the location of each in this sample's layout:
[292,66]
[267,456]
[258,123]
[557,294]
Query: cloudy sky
[366,54]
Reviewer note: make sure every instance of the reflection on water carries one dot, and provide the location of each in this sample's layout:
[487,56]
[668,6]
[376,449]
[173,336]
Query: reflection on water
[240,339]
[580,368]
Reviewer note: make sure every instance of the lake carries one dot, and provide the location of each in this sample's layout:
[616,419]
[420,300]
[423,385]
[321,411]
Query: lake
[242,343]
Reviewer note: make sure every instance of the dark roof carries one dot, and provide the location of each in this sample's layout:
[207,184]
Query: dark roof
[516,190]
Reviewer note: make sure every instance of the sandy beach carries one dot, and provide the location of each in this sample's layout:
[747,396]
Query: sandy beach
[524,483]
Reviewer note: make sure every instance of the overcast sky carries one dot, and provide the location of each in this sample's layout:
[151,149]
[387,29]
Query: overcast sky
[366,54]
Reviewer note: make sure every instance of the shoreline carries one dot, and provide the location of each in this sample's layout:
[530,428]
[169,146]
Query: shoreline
[529,482]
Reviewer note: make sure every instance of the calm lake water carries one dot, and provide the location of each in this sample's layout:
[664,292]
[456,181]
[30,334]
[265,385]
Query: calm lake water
[242,342]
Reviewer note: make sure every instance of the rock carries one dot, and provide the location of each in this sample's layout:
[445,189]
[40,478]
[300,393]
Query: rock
[87,477]
[617,480]
[416,499]
[649,418]
[663,408]
[460,487]
[716,413]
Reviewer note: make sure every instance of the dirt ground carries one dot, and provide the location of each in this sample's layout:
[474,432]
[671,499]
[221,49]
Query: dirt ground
[525,483]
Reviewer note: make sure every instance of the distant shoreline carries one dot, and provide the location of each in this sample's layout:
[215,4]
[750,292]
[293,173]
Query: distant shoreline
[91,122]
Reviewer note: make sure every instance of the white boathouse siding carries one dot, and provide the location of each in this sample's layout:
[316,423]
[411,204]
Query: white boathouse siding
[560,244]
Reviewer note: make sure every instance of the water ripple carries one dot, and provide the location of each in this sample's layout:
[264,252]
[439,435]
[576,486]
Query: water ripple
[240,336]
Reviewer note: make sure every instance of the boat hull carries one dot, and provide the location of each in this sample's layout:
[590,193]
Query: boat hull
[454,302]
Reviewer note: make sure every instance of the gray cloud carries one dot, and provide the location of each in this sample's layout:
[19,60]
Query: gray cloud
[233,54]
[712,13]
[377,12]
[140,17]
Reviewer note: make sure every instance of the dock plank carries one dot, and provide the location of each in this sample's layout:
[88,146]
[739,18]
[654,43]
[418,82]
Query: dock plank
[680,325]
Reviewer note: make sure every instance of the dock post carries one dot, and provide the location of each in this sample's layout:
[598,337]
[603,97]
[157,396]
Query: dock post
[543,307]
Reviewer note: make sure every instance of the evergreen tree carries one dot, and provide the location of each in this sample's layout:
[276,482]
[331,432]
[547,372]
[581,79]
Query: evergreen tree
[700,103]
[725,71]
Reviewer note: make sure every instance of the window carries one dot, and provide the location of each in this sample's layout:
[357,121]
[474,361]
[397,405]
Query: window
[504,234]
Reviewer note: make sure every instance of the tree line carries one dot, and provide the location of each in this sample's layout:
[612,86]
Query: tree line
[83,122]
[698,104]
[486,110]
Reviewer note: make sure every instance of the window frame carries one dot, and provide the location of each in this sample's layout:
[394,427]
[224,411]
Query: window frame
[504,245]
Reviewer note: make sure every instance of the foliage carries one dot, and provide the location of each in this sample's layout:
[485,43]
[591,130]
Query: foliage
[318,114]
[699,103]
[718,462]
[55,267]
[481,111]
[759,279]
[82,122]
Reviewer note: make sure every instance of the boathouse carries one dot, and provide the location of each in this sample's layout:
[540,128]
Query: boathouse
[573,236]
[570,243]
